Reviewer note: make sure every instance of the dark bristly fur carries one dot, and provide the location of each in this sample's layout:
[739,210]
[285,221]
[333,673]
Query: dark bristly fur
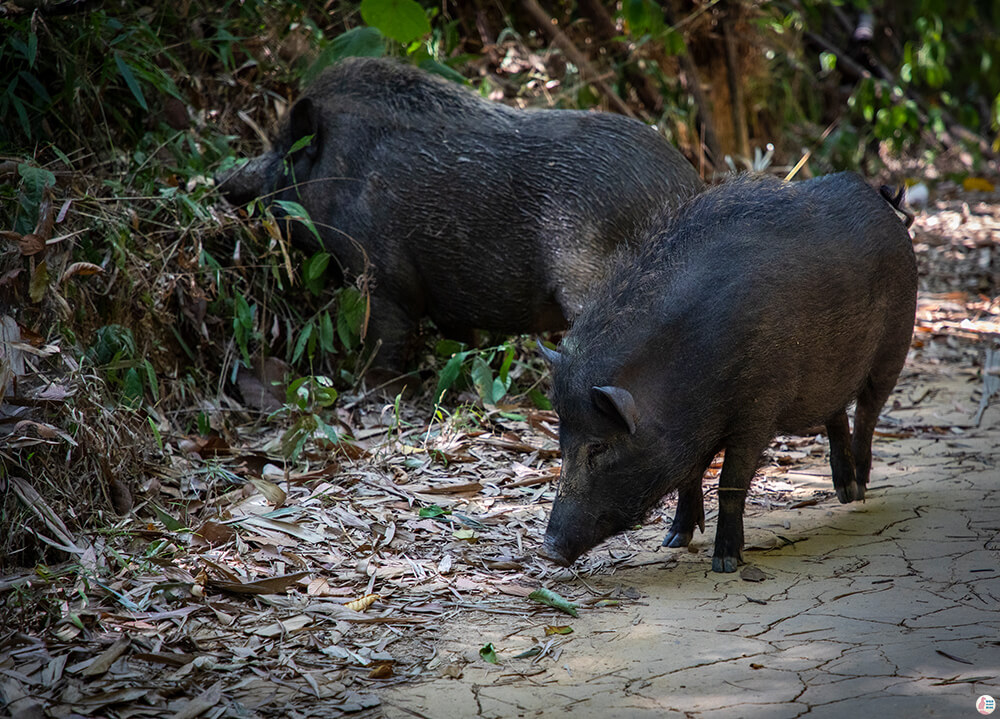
[476,214]
[759,307]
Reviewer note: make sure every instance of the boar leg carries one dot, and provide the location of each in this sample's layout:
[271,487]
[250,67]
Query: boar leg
[841,458]
[738,469]
[870,400]
[390,329]
[690,513]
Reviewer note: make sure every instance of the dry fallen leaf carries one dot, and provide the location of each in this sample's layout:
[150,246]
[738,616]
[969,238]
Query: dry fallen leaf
[361,604]
[81,268]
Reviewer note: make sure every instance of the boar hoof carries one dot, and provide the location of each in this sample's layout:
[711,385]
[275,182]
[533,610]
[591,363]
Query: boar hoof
[677,539]
[724,564]
[849,492]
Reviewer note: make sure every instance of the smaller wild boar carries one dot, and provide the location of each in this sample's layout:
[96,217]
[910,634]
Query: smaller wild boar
[475,214]
[761,307]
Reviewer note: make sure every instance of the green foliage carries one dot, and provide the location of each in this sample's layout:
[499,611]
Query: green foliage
[402,20]
[645,23]
[244,326]
[113,352]
[93,67]
[34,182]
[488,371]
[307,400]
[357,42]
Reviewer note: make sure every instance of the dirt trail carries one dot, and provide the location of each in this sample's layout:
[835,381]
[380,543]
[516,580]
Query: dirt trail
[887,608]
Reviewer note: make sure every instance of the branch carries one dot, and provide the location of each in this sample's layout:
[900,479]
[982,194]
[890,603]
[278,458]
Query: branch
[559,38]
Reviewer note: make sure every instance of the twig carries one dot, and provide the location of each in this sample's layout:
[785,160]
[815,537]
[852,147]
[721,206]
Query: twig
[735,78]
[606,34]
[692,82]
[559,38]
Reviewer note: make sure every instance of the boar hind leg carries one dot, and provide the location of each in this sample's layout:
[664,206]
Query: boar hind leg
[737,470]
[873,395]
[842,459]
[690,514]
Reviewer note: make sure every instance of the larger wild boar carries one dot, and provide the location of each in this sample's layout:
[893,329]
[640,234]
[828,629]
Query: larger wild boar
[475,214]
[761,307]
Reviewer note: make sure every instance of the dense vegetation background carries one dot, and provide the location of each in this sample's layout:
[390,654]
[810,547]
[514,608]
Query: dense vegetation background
[136,306]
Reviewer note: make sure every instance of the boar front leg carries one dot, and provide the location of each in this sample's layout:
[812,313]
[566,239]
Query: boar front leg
[690,514]
[738,469]
[390,331]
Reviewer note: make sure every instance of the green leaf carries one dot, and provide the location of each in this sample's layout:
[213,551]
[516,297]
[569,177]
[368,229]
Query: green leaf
[433,66]
[448,374]
[154,386]
[297,212]
[358,42]
[538,399]
[331,434]
[133,84]
[300,346]
[32,49]
[132,388]
[504,373]
[326,333]
[402,20]
[433,511]
[35,179]
[482,378]
[313,270]
[156,433]
[35,85]
[169,522]
[350,316]
[554,600]
[303,141]
[488,654]
[446,347]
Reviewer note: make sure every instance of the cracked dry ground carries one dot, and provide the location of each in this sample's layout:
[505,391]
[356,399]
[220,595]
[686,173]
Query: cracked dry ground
[887,608]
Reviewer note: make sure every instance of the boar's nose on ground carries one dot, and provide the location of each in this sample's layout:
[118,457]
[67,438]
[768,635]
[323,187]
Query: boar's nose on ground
[552,553]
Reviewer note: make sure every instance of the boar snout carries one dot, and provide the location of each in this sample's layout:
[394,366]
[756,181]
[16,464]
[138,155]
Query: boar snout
[550,551]
[244,184]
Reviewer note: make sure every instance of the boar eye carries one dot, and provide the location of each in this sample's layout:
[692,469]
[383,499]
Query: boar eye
[596,451]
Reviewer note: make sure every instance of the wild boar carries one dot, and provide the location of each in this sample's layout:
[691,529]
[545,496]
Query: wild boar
[759,307]
[472,213]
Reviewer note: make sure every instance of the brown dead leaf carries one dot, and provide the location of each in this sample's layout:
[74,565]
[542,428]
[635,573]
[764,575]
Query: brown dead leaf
[382,670]
[204,446]
[31,244]
[270,585]
[361,604]
[103,662]
[81,268]
[214,533]
[270,491]
[8,277]
[39,282]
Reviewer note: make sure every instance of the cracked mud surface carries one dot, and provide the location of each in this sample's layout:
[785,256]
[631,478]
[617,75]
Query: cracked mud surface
[887,608]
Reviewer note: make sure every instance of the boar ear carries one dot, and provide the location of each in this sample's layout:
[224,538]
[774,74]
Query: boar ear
[305,122]
[551,356]
[618,403]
